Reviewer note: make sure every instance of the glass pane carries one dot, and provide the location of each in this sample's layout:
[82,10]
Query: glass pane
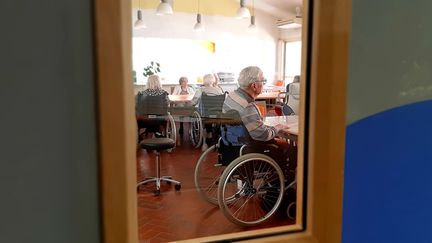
[292,60]
[218,96]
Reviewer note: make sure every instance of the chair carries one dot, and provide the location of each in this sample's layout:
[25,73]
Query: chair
[293,94]
[209,107]
[152,114]
[290,104]
[158,145]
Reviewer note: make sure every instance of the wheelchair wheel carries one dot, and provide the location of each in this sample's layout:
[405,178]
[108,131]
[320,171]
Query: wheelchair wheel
[251,189]
[207,174]
[195,131]
[170,130]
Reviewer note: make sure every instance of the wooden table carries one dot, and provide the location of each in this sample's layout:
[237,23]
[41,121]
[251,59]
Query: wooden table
[185,98]
[268,95]
[180,98]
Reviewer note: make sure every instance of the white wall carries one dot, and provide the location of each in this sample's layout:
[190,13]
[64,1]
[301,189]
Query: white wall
[236,45]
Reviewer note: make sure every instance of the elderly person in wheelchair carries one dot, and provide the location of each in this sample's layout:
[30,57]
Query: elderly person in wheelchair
[209,88]
[248,172]
[251,81]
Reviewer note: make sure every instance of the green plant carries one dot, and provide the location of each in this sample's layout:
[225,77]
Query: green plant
[151,69]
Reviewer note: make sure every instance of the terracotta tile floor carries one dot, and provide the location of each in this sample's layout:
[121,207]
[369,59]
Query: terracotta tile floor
[180,215]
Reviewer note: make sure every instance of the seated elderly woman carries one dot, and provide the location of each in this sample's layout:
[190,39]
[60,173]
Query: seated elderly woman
[211,89]
[143,106]
[208,88]
[183,88]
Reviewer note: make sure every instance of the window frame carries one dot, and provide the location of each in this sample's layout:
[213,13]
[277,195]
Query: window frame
[327,61]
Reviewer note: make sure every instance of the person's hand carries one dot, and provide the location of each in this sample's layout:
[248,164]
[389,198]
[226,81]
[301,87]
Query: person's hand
[282,130]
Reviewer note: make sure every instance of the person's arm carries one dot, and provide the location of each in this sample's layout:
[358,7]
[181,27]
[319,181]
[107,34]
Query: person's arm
[177,90]
[196,97]
[255,125]
[191,90]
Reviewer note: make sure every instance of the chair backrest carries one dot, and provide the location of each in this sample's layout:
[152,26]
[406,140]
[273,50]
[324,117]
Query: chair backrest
[287,110]
[296,79]
[293,94]
[152,105]
[235,141]
[211,105]
[233,132]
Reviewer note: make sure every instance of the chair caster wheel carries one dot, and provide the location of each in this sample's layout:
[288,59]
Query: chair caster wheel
[157,192]
[177,187]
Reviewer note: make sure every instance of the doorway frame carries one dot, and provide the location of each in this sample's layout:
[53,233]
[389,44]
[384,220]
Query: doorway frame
[327,61]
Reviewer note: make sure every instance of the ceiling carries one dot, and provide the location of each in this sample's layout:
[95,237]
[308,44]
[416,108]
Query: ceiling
[279,8]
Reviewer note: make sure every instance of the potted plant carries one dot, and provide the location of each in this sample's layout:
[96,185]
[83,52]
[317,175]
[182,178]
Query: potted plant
[151,69]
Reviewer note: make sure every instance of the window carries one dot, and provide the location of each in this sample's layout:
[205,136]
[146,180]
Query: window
[292,57]
[121,222]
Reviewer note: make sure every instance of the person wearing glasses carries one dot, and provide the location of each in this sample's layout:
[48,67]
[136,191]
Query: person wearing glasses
[242,100]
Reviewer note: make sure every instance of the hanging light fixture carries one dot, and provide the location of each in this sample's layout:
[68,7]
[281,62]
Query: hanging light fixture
[252,22]
[139,23]
[243,11]
[164,8]
[199,26]
[252,18]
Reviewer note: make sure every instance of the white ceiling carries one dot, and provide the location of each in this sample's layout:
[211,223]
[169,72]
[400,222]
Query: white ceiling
[281,9]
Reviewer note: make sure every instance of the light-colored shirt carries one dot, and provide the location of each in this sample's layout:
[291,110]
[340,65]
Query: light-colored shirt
[244,104]
[209,90]
[178,90]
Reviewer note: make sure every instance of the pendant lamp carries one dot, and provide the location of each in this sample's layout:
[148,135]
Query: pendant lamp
[199,26]
[252,22]
[164,8]
[243,11]
[139,23]
[252,18]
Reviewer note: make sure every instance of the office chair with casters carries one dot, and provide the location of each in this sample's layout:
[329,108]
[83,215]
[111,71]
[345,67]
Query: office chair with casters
[158,145]
[153,116]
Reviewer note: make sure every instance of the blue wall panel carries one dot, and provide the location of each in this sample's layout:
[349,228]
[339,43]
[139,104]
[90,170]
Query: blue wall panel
[388,177]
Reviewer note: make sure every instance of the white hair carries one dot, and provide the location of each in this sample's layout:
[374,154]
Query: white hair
[248,75]
[153,82]
[209,79]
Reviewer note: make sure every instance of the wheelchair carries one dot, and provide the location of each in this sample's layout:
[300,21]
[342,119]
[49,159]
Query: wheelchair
[205,118]
[248,182]
[152,115]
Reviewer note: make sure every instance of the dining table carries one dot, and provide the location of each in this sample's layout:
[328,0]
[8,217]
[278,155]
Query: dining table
[180,98]
[272,95]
